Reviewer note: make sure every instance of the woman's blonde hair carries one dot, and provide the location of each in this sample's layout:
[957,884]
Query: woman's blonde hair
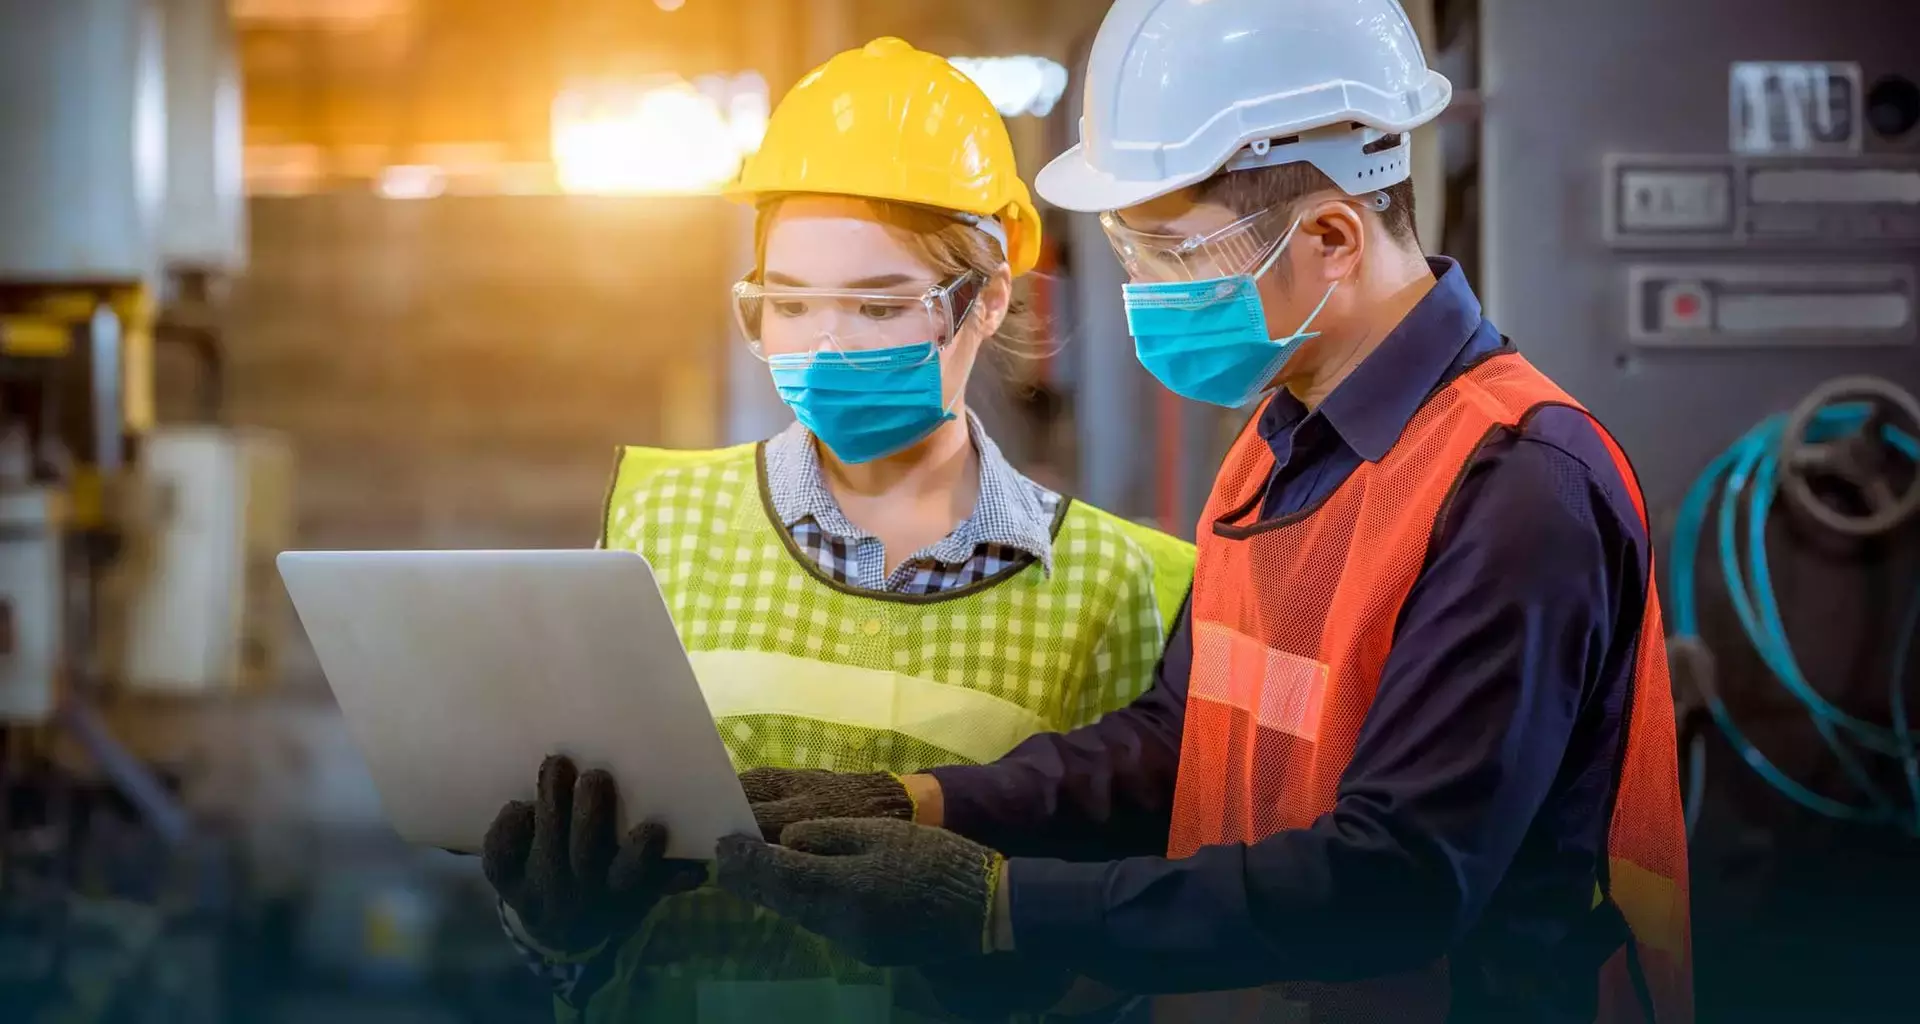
[951,247]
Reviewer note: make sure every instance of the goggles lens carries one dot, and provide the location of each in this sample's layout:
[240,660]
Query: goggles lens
[778,320]
[1238,248]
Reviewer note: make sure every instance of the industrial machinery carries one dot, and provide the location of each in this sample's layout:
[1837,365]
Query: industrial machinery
[1692,214]
[126,549]
[1841,446]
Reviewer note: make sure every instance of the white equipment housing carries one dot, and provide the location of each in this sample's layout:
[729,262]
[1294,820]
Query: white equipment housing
[204,608]
[32,580]
[83,139]
[203,223]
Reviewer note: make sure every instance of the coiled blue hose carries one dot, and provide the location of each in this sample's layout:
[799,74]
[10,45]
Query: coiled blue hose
[1751,469]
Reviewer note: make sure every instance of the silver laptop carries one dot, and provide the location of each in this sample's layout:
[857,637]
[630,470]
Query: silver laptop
[459,671]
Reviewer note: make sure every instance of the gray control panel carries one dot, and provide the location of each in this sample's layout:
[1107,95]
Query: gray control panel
[1766,305]
[1690,237]
[1719,202]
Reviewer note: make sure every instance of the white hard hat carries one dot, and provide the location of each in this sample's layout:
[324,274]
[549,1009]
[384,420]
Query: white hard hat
[1179,89]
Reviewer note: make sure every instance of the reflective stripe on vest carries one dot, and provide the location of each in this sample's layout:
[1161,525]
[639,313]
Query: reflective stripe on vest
[1292,624]
[976,726]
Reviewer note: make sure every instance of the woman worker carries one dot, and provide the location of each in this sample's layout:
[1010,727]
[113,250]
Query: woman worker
[875,589]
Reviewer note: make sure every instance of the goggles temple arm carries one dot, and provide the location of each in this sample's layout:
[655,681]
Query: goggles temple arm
[962,294]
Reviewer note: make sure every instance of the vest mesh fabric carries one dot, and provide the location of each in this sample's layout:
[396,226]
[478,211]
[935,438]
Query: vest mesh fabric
[802,672]
[1293,622]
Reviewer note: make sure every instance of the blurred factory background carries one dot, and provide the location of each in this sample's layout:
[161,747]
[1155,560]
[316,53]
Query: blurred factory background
[399,274]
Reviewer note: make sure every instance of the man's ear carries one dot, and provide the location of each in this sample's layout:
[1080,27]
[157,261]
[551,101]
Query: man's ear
[1337,233]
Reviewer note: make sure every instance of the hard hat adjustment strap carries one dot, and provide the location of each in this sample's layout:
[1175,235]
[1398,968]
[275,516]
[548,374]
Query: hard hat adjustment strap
[1272,152]
[1359,158]
[989,226]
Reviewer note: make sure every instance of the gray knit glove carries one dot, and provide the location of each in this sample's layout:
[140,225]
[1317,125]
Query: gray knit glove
[892,893]
[560,863]
[786,796]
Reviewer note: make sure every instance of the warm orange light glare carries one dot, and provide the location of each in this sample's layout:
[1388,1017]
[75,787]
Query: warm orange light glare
[662,137]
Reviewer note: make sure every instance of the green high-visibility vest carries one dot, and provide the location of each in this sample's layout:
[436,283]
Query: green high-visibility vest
[805,672]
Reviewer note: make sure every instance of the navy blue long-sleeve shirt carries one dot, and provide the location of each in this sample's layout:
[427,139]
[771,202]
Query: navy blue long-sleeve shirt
[1474,810]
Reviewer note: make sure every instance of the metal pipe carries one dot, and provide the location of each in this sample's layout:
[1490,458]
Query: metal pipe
[106,385]
[132,778]
[754,411]
[1112,431]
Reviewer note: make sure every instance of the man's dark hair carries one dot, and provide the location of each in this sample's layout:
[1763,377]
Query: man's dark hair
[1264,188]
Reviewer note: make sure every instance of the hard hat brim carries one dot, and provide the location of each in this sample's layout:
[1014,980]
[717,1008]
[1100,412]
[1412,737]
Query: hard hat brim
[1071,183]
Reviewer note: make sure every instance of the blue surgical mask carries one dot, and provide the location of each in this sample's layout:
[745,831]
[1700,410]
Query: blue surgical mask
[1207,340]
[865,405]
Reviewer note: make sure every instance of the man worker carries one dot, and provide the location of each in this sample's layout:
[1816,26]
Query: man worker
[1410,752]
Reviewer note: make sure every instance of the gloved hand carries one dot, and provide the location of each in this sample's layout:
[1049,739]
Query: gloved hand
[890,892]
[559,864]
[786,796]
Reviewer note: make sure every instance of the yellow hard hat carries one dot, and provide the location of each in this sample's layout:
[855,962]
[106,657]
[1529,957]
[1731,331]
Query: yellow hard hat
[887,121]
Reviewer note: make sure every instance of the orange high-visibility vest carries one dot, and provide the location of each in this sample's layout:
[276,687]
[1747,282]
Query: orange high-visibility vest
[1292,623]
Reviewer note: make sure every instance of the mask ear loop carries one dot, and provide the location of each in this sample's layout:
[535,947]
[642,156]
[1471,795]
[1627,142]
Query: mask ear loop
[973,286]
[1274,256]
[1300,333]
[1379,202]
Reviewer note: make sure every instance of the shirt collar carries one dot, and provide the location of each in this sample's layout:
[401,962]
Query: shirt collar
[1371,408]
[1011,511]
[798,489]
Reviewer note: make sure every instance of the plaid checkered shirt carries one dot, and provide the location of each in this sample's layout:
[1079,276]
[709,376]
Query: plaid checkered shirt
[1011,525]
[1011,528]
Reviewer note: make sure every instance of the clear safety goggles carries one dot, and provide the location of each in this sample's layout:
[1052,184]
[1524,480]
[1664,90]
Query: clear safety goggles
[1239,248]
[778,320]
